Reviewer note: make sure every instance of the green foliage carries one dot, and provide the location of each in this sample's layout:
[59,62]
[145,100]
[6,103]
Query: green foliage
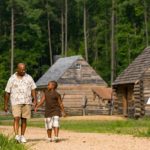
[31,33]
[8,143]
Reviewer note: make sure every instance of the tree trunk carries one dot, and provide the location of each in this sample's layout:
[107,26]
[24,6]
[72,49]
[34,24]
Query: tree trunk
[112,42]
[129,50]
[66,27]
[49,37]
[62,32]
[85,31]
[49,41]
[145,20]
[12,39]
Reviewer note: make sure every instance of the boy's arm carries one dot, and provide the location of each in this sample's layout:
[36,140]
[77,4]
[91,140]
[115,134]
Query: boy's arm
[40,103]
[61,106]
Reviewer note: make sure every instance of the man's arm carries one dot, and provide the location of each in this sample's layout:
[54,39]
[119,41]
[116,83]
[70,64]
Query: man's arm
[33,93]
[6,99]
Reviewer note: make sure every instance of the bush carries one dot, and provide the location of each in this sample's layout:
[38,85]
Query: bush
[7,143]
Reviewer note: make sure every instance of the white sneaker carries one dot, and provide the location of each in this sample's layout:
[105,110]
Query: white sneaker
[56,139]
[49,139]
[18,138]
[23,139]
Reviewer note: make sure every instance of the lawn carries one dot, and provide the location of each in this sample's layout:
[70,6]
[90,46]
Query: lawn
[133,127]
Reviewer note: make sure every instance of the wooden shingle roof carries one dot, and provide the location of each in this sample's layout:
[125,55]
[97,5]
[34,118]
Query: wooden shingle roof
[61,66]
[103,92]
[134,71]
[57,70]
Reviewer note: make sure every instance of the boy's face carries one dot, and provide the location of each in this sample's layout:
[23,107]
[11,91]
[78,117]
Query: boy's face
[50,86]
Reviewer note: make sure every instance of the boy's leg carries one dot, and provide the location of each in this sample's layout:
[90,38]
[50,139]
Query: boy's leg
[56,127]
[56,131]
[48,126]
[49,133]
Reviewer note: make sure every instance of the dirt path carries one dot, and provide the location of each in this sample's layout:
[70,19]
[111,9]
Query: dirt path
[36,138]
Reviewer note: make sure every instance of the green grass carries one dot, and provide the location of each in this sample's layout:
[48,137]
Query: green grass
[133,127]
[10,144]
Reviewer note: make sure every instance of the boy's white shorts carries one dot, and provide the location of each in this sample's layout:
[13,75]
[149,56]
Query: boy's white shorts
[52,122]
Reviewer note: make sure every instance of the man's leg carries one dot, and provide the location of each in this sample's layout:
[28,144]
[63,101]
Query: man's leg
[16,125]
[23,125]
[23,129]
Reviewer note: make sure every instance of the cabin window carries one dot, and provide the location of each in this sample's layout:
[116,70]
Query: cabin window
[78,66]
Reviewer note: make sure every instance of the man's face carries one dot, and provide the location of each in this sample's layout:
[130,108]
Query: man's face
[21,70]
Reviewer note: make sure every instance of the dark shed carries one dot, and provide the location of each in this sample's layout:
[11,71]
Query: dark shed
[132,87]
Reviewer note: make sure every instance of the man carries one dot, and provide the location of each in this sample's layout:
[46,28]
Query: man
[20,89]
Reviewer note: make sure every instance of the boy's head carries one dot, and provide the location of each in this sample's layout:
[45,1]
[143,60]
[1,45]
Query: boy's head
[52,85]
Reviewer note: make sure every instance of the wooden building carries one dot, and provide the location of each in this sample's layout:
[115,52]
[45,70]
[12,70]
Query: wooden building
[132,87]
[105,98]
[75,78]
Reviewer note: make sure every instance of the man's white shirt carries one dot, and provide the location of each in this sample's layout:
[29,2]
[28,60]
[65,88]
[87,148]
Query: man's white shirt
[20,89]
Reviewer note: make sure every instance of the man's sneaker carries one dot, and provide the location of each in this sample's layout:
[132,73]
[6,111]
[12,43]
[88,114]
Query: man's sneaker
[17,138]
[56,139]
[23,139]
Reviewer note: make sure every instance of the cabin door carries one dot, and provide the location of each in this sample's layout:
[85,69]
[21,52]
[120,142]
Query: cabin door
[125,101]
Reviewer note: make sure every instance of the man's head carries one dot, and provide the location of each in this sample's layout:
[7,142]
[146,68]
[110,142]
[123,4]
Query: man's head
[52,85]
[21,69]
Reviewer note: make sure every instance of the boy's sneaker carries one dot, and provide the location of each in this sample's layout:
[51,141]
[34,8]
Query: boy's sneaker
[56,139]
[49,139]
[23,139]
[18,138]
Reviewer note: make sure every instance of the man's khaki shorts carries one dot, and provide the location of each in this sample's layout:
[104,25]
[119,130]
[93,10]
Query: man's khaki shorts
[21,110]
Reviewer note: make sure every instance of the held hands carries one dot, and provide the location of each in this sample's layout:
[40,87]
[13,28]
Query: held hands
[35,109]
[64,114]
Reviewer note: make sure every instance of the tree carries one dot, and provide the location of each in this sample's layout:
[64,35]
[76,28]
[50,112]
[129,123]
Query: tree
[112,42]
[85,31]
[12,37]
[49,35]
[66,27]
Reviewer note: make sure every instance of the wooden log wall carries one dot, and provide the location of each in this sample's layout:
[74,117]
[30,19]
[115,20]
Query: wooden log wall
[124,104]
[115,101]
[137,99]
[73,100]
[146,93]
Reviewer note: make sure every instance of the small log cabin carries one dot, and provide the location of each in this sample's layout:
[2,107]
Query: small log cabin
[75,78]
[105,98]
[132,88]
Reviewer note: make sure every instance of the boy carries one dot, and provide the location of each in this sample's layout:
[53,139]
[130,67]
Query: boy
[53,109]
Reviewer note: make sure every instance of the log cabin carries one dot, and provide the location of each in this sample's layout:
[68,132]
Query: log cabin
[132,88]
[104,95]
[75,78]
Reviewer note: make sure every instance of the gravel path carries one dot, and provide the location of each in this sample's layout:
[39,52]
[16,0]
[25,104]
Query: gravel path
[36,138]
